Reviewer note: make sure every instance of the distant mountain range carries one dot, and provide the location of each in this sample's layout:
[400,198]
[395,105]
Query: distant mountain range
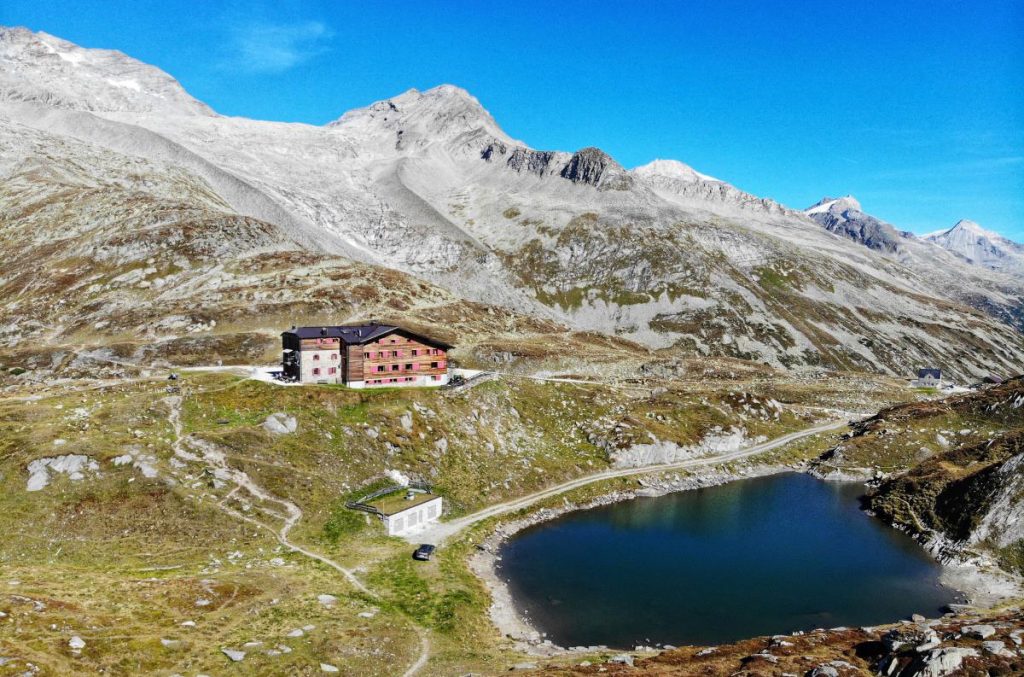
[132,209]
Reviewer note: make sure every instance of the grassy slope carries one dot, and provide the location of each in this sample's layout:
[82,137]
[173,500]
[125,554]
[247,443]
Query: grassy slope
[119,556]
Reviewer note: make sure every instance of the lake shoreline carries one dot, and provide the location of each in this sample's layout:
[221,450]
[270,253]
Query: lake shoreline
[980,582]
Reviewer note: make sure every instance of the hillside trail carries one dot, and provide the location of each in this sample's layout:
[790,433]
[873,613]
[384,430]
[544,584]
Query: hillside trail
[292,514]
[442,531]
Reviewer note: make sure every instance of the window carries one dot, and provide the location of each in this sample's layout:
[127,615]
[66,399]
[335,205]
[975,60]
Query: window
[334,356]
[409,367]
[316,358]
[394,367]
[434,377]
[395,353]
[316,371]
[368,355]
[332,370]
[433,365]
[380,367]
[415,353]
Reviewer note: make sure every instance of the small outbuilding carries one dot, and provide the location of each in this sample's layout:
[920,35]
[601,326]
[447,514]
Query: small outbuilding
[416,513]
[403,509]
[928,378]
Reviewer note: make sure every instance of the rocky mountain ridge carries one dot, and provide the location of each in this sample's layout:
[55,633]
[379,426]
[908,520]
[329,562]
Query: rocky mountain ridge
[426,183]
[994,288]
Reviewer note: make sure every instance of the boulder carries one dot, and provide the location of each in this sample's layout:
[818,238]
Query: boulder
[327,600]
[940,662]
[824,671]
[622,658]
[234,654]
[76,643]
[280,424]
[978,631]
[327,667]
[996,648]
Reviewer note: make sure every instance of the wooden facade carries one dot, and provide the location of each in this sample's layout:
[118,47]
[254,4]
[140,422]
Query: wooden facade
[397,359]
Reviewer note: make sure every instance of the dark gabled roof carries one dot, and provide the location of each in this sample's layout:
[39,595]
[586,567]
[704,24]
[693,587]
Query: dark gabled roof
[934,373]
[361,333]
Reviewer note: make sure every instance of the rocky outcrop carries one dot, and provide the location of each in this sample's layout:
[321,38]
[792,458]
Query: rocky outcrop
[521,159]
[970,495]
[923,648]
[594,167]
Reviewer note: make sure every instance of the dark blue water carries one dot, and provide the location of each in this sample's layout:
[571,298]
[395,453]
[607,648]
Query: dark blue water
[754,557]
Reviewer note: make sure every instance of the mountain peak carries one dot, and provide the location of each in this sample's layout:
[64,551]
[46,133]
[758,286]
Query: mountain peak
[40,68]
[673,169]
[844,216]
[982,247]
[836,205]
[973,227]
[442,112]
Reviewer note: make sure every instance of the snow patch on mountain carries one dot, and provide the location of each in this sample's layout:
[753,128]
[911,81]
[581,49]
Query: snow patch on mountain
[41,68]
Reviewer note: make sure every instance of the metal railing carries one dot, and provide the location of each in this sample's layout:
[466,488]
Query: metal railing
[362,502]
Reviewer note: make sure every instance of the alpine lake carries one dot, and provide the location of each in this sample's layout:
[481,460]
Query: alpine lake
[753,557]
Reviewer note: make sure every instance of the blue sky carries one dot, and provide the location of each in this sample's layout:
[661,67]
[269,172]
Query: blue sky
[916,108]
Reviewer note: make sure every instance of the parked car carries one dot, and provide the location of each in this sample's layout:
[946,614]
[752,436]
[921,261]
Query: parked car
[423,552]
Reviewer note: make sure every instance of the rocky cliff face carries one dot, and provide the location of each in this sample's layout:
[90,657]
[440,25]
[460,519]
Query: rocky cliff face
[427,183]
